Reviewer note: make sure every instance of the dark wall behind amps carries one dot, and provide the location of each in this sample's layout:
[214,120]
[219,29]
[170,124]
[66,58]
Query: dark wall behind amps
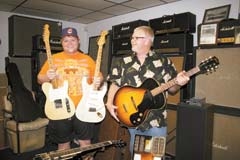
[106,54]
[21,31]
[220,87]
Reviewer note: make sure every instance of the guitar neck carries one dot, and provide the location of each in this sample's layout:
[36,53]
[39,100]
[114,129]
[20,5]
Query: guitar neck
[74,151]
[50,62]
[172,82]
[98,61]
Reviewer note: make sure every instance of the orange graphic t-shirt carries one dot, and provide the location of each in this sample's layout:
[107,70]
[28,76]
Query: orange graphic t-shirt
[72,68]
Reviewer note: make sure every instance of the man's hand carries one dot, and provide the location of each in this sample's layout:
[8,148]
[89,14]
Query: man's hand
[112,110]
[51,74]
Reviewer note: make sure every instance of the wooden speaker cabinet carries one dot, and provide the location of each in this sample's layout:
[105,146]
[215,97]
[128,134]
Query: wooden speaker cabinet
[171,129]
[221,87]
[111,130]
[226,131]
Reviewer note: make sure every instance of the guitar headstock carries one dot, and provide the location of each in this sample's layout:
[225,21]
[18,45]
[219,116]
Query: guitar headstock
[101,40]
[46,33]
[119,143]
[208,65]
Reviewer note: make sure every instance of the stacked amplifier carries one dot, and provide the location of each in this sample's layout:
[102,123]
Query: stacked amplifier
[121,36]
[224,32]
[26,47]
[173,33]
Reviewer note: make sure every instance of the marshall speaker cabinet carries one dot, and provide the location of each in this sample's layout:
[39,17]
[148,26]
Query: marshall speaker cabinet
[194,131]
[183,22]
[21,31]
[226,31]
[126,29]
[174,43]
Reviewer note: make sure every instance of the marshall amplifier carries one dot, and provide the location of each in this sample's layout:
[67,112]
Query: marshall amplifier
[121,46]
[226,31]
[21,31]
[174,43]
[126,29]
[183,22]
[54,42]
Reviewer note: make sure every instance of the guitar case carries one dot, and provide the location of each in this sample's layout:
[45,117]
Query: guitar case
[25,108]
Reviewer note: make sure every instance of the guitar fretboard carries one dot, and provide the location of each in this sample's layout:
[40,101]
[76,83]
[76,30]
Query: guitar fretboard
[172,82]
[75,151]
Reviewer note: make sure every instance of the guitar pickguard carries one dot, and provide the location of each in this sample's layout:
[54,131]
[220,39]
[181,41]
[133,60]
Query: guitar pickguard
[149,103]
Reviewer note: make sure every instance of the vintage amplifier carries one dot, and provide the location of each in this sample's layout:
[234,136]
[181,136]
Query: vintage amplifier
[121,46]
[21,31]
[183,22]
[226,31]
[54,42]
[174,43]
[126,29]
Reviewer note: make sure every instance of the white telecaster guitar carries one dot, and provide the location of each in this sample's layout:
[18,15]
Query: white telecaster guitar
[91,108]
[58,104]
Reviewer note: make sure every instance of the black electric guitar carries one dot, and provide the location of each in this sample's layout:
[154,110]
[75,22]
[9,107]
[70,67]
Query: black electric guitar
[70,153]
[134,103]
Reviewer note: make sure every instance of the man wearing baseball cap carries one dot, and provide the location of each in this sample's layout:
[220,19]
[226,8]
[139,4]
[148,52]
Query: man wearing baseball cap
[70,65]
[69,31]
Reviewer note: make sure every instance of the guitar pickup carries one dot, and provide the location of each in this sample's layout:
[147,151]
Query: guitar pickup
[92,109]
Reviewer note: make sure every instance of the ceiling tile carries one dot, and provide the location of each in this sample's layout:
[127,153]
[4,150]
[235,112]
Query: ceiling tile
[38,13]
[117,1]
[82,11]
[98,16]
[118,9]
[83,20]
[171,0]
[141,4]
[6,7]
[16,2]
[87,4]
[55,8]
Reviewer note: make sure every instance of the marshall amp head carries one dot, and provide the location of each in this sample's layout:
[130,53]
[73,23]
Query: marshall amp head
[174,43]
[55,43]
[183,22]
[121,46]
[226,31]
[126,29]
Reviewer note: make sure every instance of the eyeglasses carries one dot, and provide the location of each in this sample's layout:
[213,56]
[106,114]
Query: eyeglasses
[136,38]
